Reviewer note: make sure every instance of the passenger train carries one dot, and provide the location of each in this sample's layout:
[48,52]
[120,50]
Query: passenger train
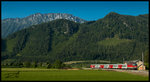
[114,66]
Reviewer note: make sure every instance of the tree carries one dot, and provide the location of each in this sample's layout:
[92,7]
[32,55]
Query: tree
[34,64]
[48,65]
[58,64]
[27,64]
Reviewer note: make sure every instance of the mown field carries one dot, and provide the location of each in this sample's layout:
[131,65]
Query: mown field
[31,74]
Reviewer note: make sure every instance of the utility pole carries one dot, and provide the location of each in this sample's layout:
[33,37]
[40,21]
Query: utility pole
[123,60]
[142,58]
[109,59]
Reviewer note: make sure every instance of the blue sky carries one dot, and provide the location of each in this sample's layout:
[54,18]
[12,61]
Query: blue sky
[88,10]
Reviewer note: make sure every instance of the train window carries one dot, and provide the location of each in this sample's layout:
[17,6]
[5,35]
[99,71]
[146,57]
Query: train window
[106,66]
[96,66]
[134,64]
[115,66]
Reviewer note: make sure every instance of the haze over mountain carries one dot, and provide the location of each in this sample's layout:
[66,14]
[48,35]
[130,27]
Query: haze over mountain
[112,38]
[11,25]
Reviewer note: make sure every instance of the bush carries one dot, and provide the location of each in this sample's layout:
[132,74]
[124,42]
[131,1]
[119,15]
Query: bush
[27,64]
[58,64]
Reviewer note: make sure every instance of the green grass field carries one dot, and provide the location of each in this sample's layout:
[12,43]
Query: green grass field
[113,41]
[31,74]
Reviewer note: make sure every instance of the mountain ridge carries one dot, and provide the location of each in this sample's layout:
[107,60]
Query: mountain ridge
[11,25]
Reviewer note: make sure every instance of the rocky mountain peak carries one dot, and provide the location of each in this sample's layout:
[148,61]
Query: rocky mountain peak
[11,25]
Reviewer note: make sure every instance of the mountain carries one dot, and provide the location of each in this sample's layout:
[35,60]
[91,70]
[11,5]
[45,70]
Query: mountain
[11,25]
[112,38]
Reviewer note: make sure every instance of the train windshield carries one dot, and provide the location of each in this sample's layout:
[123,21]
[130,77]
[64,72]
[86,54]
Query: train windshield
[135,64]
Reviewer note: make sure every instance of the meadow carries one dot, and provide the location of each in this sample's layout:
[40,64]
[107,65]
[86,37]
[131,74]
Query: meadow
[37,74]
[113,41]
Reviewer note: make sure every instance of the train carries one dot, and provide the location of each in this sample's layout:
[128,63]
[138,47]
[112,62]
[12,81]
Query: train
[113,66]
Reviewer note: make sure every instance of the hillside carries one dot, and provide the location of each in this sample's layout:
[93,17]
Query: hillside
[112,38]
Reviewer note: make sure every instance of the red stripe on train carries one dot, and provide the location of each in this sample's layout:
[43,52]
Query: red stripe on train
[130,65]
[92,66]
[101,66]
[119,66]
[110,66]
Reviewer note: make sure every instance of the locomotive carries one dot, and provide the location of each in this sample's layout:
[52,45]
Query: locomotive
[114,66]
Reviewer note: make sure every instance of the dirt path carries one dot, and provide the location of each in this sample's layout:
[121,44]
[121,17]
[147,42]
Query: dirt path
[136,72]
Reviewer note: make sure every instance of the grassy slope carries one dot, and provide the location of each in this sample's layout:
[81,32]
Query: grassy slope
[113,41]
[70,75]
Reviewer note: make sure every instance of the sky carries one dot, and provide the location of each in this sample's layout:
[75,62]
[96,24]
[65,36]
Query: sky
[88,10]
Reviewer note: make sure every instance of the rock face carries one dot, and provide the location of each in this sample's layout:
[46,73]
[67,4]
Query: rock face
[11,25]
